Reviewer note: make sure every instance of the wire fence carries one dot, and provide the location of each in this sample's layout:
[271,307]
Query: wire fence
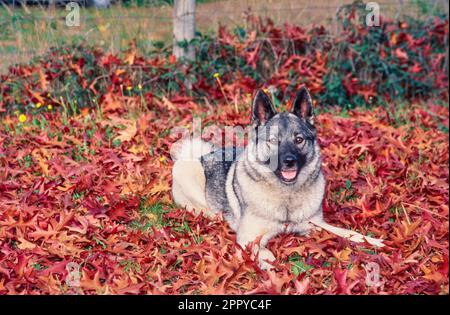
[29,31]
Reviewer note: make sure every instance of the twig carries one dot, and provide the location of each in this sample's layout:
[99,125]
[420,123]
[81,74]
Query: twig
[406,214]
[7,8]
[423,209]
[222,90]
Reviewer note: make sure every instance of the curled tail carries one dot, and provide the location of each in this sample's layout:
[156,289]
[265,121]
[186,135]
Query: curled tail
[188,187]
[191,149]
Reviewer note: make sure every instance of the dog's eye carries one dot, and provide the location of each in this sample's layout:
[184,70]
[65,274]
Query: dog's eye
[298,139]
[273,140]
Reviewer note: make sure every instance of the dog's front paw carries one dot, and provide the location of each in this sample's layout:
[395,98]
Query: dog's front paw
[304,229]
[264,258]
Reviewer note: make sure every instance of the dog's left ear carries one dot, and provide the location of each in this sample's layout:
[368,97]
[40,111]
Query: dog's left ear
[302,105]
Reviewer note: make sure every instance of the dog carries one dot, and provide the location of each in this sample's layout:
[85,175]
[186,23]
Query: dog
[274,185]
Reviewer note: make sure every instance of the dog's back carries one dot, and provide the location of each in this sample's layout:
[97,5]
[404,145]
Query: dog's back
[216,166]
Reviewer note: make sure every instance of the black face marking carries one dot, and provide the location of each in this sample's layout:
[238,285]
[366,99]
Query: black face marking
[291,156]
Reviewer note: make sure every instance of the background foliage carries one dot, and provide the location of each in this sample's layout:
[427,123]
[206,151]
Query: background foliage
[404,60]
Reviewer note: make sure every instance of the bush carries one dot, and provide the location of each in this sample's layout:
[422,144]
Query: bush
[361,66]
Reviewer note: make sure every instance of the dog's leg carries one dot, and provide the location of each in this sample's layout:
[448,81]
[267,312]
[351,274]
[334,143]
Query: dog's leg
[348,234]
[250,228]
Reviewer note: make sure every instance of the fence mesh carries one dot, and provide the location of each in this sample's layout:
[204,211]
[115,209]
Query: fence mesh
[31,30]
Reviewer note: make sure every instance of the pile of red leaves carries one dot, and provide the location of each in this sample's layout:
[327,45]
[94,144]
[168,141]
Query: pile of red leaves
[94,189]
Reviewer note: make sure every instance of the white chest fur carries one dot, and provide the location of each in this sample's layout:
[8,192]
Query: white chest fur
[272,201]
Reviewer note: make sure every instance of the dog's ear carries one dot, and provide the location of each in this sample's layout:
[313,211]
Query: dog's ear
[262,109]
[302,105]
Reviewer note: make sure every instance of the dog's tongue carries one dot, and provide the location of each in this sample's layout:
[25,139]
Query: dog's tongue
[289,174]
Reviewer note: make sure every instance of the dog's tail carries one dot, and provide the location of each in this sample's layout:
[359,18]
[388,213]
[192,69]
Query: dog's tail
[189,181]
[348,234]
[190,149]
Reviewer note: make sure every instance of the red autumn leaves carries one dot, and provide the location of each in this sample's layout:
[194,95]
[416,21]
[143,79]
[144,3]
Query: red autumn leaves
[79,197]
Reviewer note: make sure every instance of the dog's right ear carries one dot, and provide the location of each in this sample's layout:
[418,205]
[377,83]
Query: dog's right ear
[262,109]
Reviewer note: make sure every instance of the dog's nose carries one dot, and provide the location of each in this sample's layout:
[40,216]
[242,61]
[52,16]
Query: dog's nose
[289,160]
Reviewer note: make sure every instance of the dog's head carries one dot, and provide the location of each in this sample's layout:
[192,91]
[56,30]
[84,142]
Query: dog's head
[284,143]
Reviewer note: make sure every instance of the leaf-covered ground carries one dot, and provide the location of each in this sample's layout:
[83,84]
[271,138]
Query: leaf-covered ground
[94,189]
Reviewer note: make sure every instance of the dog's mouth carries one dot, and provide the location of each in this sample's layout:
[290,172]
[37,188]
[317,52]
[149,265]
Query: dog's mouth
[288,175]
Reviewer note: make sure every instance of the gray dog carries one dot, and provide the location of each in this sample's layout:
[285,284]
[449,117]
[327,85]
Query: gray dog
[275,185]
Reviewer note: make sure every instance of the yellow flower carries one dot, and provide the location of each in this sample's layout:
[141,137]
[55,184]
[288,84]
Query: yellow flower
[38,105]
[216,75]
[129,88]
[266,90]
[162,158]
[102,28]
[151,217]
[139,87]
[22,118]
[50,107]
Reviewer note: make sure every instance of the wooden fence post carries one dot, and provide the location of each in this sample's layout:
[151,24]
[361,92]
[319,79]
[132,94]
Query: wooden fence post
[183,27]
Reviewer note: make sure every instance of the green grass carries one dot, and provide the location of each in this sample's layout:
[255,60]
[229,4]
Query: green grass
[39,267]
[99,242]
[25,33]
[150,216]
[298,264]
[30,31]
[130,265]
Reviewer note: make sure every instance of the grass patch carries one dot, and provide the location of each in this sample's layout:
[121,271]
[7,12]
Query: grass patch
[298,264]
[150,216]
